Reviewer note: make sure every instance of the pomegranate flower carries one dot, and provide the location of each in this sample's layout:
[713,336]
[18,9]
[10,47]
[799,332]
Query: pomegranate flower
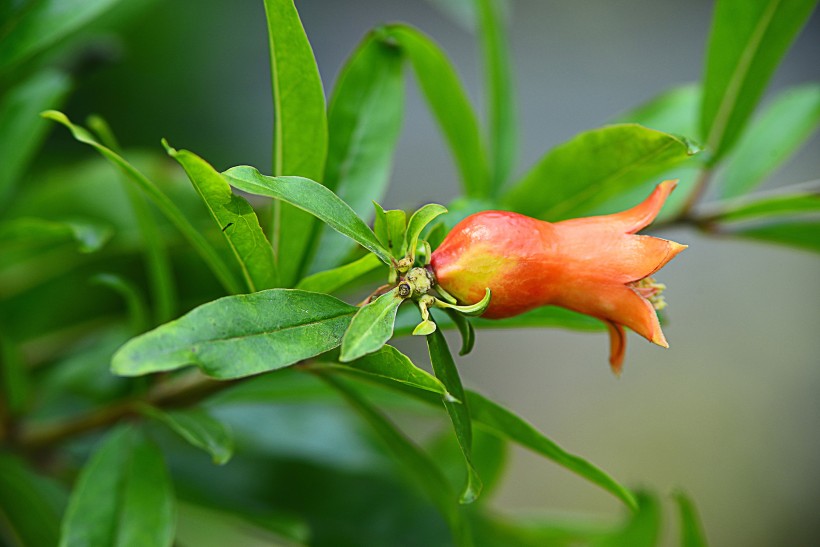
[595,265]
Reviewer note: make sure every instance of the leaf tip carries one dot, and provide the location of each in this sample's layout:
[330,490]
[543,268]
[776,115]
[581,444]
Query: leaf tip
[168,148]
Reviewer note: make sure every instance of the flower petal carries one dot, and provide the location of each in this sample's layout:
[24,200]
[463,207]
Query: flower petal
[617,347]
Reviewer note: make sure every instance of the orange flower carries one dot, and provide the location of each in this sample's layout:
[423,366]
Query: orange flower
[595,265]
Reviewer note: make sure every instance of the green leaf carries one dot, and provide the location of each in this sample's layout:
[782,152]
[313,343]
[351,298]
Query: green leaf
[42,24]
[509,426]
[30,505]
[448,100]
[746,43]
[371,327]
[21,128]
[642,530]
[465,328]
[785,125]
[198,428]
[364,120]
[421,469]
[312,197]
[332,280]
[459,412]
[803,235]
[674,111]
[388,362]
[157,259]
[390,227]
[417,223]
[471,310]
[235,218]
[499,80]
[168,208]
[240,335]
[300,130]
[594,166]
[691,529]
[769,207]
[547,316]
[490,455]
[134,302]
[128,473]
[89,236]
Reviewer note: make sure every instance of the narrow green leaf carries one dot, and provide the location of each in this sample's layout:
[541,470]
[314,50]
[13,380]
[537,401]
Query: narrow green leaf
[168,208]
[594,166]
[641,530]
[489,456]
[44,23]
[21,128]
[198,428]
[691,529]
[803,235]
[388,362]
[30,505]
[235,218]
[312,197]
[157,259]
[332,280]
[674,111]
[134,302]
[417,223]
[390,227]
[465,328]
[510,426]
[240,335]
[300,130]
[420,468]
[450,105]
[747,42]
[785,125]
[371,327]
[89,236]
[364,121]
[129,473]
[459,412]
[768,207]
[499,80]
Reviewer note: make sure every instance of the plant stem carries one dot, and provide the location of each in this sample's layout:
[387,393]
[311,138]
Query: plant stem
[182,391]
[697,194]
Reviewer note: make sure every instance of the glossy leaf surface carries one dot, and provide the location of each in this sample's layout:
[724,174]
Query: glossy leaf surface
[364,119]
[459,412]
[236,220]
[300,130]
[787,123]
[240,335]
[332,280]
[747,42]
[371,327]
[594,166]
[312,197]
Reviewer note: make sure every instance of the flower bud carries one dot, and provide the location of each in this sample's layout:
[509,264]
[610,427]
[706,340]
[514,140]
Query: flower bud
[595,265]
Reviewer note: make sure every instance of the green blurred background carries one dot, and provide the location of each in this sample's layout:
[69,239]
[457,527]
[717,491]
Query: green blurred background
[729,413]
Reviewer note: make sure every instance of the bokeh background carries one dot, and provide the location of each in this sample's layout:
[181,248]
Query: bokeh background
[730,413]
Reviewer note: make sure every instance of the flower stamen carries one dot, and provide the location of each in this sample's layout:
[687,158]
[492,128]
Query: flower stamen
[652,291]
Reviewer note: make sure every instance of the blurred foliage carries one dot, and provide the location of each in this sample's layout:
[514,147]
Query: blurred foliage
[97,250]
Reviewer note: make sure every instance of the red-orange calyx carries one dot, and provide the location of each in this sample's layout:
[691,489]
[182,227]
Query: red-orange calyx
[597,265]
